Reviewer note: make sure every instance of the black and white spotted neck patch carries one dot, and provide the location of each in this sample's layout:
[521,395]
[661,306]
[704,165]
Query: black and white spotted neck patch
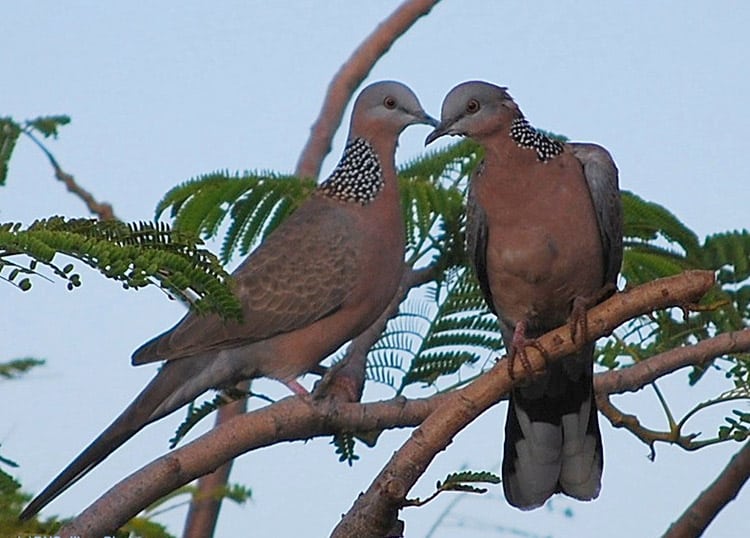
[358,177]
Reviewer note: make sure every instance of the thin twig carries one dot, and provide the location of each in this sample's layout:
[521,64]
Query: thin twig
[618,419]
[665,406]
[102,210]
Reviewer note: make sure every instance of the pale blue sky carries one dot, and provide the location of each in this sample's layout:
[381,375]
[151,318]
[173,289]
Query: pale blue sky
[162,93]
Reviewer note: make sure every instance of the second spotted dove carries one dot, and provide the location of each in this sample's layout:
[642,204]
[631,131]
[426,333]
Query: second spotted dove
[544,231]
[318,280]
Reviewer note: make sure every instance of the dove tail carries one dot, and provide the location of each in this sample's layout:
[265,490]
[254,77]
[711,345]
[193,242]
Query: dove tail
[177,383]
[552,438]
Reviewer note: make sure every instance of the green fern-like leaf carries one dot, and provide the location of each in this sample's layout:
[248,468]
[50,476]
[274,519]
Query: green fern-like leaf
[729,254]
[649,221]
[428,209]
[644,263]
[237,493]
[12,501]
[17,367]
[136,255]
[344,443]
[470,477]
[48,125]
[451,163]
[738,428]
[463,481]
[255,203]
[432,188]
[196,414]
[9,133]
[143,527]
[435,340]
[429,366]
[383,365]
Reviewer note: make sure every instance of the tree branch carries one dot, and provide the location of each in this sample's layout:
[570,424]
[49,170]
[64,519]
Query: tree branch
[637,376]
[290,419]
[350,76]
[375,511]
[641,374]
[618,419]
[296,418]
[723,490]
[205,505]
[102,210]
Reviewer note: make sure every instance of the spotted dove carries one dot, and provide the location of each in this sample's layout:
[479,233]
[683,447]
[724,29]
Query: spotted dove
[317,281]
[544,231]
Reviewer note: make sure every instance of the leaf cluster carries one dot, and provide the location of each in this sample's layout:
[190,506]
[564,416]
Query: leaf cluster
[15,368]
[11,130]
[461,481]
[136,255]
[12,501]
[254,203]
[196,413]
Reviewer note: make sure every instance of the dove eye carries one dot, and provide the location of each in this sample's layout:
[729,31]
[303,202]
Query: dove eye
[389,103]
[472,106]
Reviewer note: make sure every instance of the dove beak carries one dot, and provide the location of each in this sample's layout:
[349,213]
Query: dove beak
[441,129]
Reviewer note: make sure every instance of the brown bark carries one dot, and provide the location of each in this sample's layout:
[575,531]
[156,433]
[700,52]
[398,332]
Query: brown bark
[291,419]
[637,376]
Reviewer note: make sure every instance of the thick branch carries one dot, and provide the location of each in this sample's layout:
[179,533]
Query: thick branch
[350,76]
[291,419]
[723,490]
[375,511]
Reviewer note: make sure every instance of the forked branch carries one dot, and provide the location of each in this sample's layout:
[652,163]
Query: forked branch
[441,417]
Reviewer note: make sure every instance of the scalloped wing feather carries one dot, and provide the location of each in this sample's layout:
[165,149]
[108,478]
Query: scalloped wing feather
[301,273]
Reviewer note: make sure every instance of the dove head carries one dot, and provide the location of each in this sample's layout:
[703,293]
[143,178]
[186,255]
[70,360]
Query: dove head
[385,109]
[475,109]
